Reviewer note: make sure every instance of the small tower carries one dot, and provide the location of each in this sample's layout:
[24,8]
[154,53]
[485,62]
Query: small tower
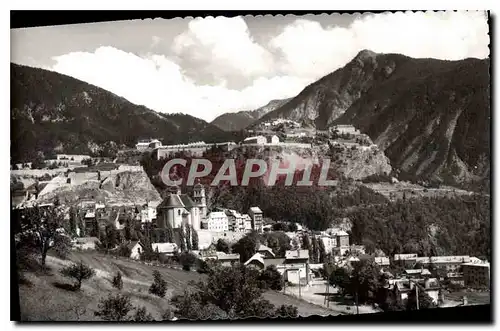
[199,199]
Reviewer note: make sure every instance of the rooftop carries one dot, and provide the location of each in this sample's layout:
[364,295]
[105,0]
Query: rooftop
[256,210]
[297,254]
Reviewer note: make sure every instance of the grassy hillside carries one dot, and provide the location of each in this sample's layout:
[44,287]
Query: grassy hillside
[42,300]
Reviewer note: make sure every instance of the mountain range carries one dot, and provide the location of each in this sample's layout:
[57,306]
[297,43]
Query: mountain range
[240,120]
[51,112]
[431,117]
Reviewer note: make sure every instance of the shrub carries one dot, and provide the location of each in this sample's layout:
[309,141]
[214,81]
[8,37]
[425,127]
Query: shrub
[114,308]
[79,271]
[271,278]
[159,285]
[141,315]
[117,281]
[187,260]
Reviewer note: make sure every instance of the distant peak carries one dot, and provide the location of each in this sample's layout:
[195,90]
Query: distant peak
[366,53]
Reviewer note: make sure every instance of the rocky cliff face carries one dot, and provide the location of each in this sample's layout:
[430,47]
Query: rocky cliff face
[430,117]
[242,119]
[127,187]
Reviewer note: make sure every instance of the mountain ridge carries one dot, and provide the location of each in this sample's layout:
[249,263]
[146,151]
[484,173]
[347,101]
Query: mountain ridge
[239,120]
[388,96]
[51,112]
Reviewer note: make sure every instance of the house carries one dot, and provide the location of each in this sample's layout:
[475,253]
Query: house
[227,259]
[86,243]
[168,249]
[136,249]
[265,251]
[147,144]
[273,139]
[382,261]
[405,257]
[256,261]
[248,222]
[236,220]
[259,140]
[342,242]
[403,287]
[329,242]
[179,209]
[297,266]
[444,264]
[417,273]
[476,275]
[345,129]
[257,219]
[217,221]
[357,249]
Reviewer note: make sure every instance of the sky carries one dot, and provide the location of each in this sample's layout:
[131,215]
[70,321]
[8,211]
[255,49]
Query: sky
[205,67]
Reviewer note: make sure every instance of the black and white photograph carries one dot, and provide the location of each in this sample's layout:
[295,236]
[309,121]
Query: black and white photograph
[239,167]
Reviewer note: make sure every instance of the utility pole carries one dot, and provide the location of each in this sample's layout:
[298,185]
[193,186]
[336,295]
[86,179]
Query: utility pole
[416,292]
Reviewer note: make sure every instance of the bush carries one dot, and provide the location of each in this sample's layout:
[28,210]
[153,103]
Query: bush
[79,271]
[141,315]
[117,281]
[271,278]
[159,285]
[114,308]
[187,260]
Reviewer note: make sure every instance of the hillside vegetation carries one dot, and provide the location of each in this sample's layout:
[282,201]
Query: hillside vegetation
[51,112]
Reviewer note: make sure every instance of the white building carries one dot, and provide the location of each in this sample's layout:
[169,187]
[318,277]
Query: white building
[260,140]
[147,144]
[217,221]
[274,139]
[178,209]
[168,249]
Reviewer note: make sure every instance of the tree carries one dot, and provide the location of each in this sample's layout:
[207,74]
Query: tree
[38,162]
[195,239]
[222,246]
[228,292]
[295,243]
[314,255]
[271,278]
[187,260]
[365,280]
[292,227]
[159,285]
[79,271]
[39,228]
[188,238]
[246,247]
[306,242]
[141,315]
[117,281]
[340,278]
[322,252]
[424,300]
[114,308]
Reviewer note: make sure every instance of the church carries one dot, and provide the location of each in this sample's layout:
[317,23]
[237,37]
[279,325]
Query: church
[180,209]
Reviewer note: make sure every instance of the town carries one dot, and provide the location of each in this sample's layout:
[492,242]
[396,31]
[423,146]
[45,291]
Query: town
[181,232]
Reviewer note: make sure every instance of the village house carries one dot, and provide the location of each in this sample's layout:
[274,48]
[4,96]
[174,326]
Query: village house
[403,287]
[237,222]
[85,243]
[146,144]
[476,275]
[417,273]
[297,266]
[259,140]
[265,251]
[227,259]
[342,241]
[136,249]
[256,217]
[345,129]
[382,261]
[217,221]
[167,249]
[444,264]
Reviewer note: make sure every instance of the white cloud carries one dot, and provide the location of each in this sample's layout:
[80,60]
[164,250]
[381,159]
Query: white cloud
[159,83]
[216,66]
[221,47]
